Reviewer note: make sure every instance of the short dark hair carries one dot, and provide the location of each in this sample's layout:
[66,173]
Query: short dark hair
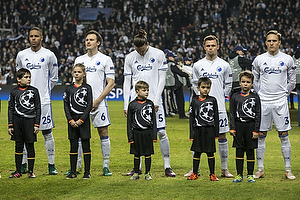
[140,39]
[246,73]
[21,72]
[99,37]
[141,85]
[204,80]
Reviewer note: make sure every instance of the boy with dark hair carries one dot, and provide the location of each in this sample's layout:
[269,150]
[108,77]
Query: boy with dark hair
[141,128]
[24,112]
[245,114]
[204,127]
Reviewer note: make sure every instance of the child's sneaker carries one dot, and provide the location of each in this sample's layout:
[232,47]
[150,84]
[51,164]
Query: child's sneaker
[31,174]
[193,177]
[238,179]
[135,176]
[250,179]
[132,172]
[148,176]
[213,178]
[289,175]
[15,174]
[259,174]
[71,176]
[226,173]
[86,175]
[169,172]
[106,171]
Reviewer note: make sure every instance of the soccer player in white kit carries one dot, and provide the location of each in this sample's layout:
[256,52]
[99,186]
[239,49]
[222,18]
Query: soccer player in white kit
[274,79]
[148,64]
[100,74]
[43,67]
[219,72]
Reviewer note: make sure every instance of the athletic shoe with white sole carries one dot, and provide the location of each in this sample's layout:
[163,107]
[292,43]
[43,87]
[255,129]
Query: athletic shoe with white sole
[289,175]
[226,173]
[31,174]
[169,172]
[135,176]
[52,169]
[71,176]
[259,174]
[238,179]
[86,175]
[250,179]
[148,176]
[213,178]
[132,172]
[15,174]
[106,171]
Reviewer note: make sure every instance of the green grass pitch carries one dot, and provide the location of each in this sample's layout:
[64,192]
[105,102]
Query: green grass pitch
[118,186]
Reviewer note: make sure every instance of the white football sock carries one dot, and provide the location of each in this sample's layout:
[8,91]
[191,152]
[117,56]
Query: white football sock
[49,146]
[164,147]
[105,147]
[286,151]
[24,160]
[260,152]
[79,158]
[223,151]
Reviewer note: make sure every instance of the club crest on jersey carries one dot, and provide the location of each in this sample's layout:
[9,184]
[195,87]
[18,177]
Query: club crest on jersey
[152,60]
[33,66]
[27,100]
[281,63]
[97,63]
[210,75]
[42,59]
[80,96]
[271,70]
[144,67]
[219,69]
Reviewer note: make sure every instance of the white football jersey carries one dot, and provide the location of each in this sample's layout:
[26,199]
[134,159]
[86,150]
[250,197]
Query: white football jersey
[274,76]
[219,72]
[98,68]
[43,68]
[145,68]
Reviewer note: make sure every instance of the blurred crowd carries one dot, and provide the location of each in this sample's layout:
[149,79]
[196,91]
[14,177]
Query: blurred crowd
[177,25]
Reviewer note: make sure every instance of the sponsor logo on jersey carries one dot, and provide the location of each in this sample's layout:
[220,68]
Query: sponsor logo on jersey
[91,69]
[270,70]
[31,66]
[211,75]
[144,67]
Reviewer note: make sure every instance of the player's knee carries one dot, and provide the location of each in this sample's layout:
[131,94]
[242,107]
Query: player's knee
[262,133]
[45,132]
[282,133]
[48,136]
[103,131]
[161,133]
[222,136]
